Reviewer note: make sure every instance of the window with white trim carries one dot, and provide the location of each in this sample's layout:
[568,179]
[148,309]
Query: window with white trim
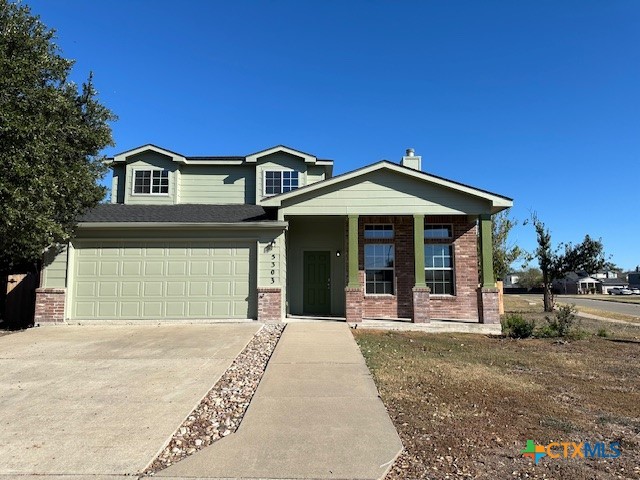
[378,231]
[437,231]
[379,260]
[151,182]
[438,268]
[276,182]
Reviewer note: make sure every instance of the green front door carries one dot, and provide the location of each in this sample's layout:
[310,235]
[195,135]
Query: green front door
[317,283]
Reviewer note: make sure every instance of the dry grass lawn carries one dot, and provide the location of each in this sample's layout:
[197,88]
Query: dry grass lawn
[465,404]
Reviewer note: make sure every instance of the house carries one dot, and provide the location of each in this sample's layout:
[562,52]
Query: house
[272,234]
[511,280]
[606,284]
[576,283]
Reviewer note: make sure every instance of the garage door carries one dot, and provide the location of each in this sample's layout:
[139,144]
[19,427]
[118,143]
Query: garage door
[162,280]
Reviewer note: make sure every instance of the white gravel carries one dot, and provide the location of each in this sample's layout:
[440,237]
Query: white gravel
[220,412]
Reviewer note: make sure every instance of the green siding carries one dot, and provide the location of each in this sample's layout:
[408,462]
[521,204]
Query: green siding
[384,193]
[278,161]
[315,174]
[217,184]
[54,273]
[118,184]
[316,235]
[152,160]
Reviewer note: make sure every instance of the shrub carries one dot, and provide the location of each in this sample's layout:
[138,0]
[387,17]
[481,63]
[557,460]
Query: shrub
[514,326]
[603,332]
[561,324]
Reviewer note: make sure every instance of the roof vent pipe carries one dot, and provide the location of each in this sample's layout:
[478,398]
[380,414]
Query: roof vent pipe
[411,160]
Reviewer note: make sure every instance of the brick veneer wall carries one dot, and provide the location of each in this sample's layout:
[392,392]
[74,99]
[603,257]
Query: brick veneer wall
[49,305]
[269,304]
[354,299]
[463,305]
[489,311]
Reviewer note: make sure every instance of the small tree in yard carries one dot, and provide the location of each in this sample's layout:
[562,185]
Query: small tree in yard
[504,254]
[51,134]
[530,278]
[555,263]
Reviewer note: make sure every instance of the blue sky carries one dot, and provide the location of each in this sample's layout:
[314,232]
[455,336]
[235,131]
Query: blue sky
[538,100]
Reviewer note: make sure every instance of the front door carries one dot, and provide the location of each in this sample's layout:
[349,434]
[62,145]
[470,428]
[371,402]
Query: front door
[317,283]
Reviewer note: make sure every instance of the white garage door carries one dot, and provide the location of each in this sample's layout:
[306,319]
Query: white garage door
[162,280]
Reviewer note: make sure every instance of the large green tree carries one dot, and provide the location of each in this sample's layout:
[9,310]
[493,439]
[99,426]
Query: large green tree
[51,135]
[586,256]
[504,253]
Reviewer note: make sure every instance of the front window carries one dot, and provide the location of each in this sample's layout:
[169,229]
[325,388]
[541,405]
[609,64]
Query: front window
[151,182]
[378,265]
[437,231]
[438,268]
[280,182]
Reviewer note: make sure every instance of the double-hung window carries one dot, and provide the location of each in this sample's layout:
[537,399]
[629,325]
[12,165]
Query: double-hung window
[438,259]
[276,182]
[379,259]
[151,182]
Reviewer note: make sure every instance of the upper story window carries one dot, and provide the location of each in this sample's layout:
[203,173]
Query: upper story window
[437,231]
[151,182]
[276,182]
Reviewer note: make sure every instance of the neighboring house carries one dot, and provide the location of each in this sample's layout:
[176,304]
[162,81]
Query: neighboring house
[511,280]
[634,279]
[607,284]
[576,283]
[605,274]
[273,234]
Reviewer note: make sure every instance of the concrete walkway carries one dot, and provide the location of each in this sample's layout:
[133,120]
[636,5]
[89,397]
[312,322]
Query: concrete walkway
[315,415]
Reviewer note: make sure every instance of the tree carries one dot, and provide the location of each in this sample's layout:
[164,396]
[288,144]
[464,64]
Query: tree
[51,134]
[587,256]
[504,254]
[530,278]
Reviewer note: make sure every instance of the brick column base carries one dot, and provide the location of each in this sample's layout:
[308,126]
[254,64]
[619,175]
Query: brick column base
[488,308]
[269,304]
[354,300]
[421,304]
[49,305]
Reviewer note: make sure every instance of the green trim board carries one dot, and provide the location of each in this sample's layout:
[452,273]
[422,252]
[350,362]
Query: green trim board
[486,251]
[354,277]
[418,246]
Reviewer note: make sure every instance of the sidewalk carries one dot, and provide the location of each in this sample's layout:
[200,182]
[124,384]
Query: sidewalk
[316,414]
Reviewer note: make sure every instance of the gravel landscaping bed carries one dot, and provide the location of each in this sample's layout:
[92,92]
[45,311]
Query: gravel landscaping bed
[220,412]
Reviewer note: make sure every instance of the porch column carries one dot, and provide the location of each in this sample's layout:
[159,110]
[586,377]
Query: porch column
[488,308]
[354,295]
[354,277]
[420,289]
[486,249]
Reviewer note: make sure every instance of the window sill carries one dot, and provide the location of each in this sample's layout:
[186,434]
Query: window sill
[443,296]
[150,194]
[389,295]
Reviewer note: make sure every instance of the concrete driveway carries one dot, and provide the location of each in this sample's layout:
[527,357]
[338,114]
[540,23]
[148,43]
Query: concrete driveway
[103,400]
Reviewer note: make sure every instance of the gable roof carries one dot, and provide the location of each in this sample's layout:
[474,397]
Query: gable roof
[226,159]
[498,202]
[122,157]
[307,157]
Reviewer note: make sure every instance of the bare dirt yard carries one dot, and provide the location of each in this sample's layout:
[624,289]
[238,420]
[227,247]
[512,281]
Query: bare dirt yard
[465,405]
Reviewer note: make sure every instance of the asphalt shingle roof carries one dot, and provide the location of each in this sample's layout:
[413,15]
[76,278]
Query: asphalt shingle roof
[182,213]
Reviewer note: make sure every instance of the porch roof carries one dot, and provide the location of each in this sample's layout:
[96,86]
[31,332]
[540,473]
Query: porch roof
[387,188]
